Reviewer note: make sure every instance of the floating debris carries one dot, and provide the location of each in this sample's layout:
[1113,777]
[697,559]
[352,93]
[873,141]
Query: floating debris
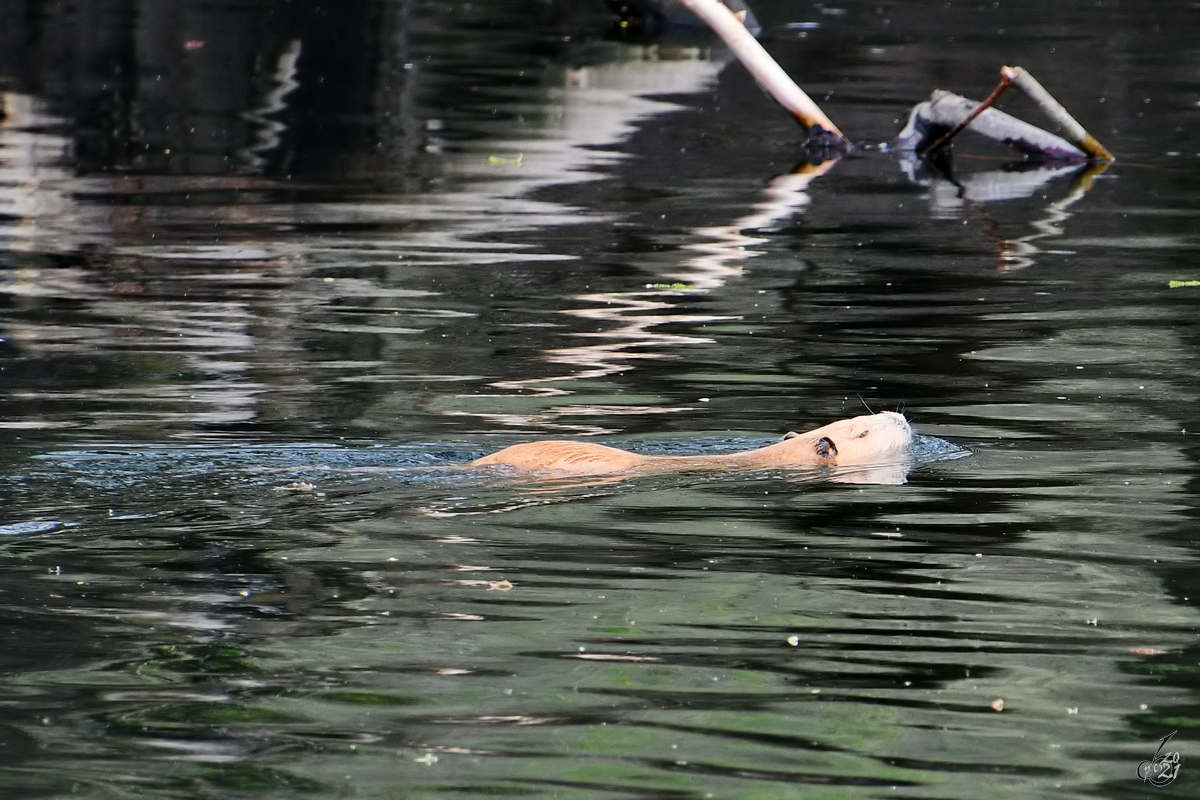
[934,124]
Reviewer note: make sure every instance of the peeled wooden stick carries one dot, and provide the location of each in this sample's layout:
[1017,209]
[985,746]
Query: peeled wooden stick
[1075,133]
[766,71]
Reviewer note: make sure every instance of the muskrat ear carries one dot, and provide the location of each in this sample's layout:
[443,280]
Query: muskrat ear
[789,435]
[826,448]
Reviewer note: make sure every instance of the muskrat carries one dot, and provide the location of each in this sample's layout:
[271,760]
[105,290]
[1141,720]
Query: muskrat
[861,441]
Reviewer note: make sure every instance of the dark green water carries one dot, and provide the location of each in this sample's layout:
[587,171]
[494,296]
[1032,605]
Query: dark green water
[269,272]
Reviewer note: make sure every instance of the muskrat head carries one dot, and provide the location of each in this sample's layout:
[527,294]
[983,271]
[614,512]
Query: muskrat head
[868,439]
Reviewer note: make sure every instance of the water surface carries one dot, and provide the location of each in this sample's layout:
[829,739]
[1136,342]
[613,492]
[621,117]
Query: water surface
[262,294]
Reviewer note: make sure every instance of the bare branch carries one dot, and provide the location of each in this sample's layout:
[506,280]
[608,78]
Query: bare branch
[766,71]
[1075,132]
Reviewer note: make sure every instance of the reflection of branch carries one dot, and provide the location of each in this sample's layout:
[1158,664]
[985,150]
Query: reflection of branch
[636,314]
[784,196]
[1018,253]
[271,130]
[38,212]
[948,195]
[601,360]
[629,311]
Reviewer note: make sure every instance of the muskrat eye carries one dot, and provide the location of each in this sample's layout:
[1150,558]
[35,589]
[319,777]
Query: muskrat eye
[826,448]
[789,435]
[862,435]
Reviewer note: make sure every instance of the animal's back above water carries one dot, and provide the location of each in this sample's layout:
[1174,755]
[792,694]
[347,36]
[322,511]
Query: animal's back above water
[871,439]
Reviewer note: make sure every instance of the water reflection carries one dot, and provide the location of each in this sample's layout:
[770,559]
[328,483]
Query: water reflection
[270,615]
[153,230]
[265,117]
[783,197]
[283,245]
[1020,252]
[724,249]
[635,315]
[950,195]
[38,210]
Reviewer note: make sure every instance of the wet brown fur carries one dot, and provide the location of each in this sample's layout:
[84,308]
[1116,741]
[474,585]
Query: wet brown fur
[865,440]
